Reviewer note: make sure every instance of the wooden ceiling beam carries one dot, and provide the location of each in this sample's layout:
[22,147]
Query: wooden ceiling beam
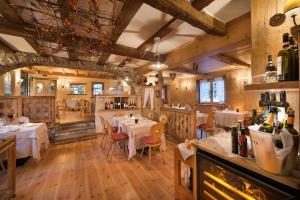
[239,34]
[9,13]
[29,71]
[231,60]
[170,25]
[183,10]
[128,10]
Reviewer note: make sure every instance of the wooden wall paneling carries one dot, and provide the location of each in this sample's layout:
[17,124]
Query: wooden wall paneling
[37,109]
[181,123]
[265,39]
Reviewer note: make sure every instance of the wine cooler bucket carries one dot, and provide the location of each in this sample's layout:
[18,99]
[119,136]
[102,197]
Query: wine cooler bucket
[265,154]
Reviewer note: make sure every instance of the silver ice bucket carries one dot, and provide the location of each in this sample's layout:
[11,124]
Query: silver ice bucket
[265,155]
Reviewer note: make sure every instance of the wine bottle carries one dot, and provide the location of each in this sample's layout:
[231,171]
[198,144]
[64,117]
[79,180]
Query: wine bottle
[283,59]
[266,105]
[234,140]
[271,71]
[273,100]
[293,73]
[290,122]
[282,106]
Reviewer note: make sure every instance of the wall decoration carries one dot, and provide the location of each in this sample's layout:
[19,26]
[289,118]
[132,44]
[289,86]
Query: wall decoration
[39,88]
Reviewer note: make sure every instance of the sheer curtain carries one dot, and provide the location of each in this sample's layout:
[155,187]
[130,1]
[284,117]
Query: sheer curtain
[204,91]
[218,90]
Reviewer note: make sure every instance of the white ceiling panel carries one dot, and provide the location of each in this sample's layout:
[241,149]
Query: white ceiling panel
[18,43]
[226,10]
[179,36]
[145,22]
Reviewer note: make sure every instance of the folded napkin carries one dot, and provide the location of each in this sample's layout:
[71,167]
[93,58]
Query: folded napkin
[186,153]
[287,142]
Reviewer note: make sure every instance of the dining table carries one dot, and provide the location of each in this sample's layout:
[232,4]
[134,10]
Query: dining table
[135,131]
[30,139]
[228,118]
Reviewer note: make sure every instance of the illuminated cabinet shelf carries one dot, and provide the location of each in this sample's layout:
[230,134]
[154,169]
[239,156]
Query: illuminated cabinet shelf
[271,86]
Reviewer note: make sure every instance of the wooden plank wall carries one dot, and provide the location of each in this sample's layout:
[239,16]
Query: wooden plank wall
[181,123]
[37,109]
[265,39]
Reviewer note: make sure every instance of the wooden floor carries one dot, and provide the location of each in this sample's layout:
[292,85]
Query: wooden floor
[80,171]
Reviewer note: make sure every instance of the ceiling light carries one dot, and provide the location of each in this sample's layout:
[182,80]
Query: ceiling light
[292,8]
[157,66]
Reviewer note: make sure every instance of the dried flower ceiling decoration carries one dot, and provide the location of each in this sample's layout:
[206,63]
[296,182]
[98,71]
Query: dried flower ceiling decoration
[74,25]
[10,61]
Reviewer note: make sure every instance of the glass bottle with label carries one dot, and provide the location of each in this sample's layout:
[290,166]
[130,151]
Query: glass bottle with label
[283,59]
[271,71]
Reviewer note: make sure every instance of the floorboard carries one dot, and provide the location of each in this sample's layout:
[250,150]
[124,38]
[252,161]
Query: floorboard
[79,171]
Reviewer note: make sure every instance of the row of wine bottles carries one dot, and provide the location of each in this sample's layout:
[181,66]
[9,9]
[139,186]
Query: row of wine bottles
[119,105]
[274,115]
[287,62]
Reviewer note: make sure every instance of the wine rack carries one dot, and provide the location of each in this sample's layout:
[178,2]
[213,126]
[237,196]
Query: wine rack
[110,103]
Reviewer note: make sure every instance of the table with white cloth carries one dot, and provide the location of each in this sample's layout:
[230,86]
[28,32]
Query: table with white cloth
[201,118]
[229,118]
[30,138]
[135,132]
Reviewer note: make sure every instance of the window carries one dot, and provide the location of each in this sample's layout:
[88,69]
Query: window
[7,84]
[97,88]
[77,88]
[212,90]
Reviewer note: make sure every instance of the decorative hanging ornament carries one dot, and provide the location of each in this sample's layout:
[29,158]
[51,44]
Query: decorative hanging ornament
[278,18]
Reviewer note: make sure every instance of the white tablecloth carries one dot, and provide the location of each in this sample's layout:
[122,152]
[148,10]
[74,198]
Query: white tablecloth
[229,118]
[136,132]
[29,139]
[201,118]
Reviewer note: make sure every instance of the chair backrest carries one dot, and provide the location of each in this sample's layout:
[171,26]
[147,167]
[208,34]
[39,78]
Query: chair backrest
[109,128]
[156,131]
[210,119]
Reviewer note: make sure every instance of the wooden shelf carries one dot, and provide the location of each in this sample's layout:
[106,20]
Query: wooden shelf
[270,86]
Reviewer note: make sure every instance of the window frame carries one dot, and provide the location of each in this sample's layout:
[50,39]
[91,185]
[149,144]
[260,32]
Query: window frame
[211,80]
[92,86]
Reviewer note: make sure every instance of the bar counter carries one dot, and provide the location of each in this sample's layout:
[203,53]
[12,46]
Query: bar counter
[241,167]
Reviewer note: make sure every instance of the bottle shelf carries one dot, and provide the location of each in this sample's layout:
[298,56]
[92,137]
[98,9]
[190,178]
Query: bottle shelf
[271,86]
[112,110]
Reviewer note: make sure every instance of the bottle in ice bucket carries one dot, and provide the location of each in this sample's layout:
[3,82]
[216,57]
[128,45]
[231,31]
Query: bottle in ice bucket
[234,140]
[243,144]
[290,122]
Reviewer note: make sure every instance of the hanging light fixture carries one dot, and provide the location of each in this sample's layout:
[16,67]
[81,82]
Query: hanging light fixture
[157,66]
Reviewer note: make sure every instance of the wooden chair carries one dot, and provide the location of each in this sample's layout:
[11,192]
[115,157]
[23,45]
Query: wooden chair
[104,132]
[116,138]
[209,126]
[153,141]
